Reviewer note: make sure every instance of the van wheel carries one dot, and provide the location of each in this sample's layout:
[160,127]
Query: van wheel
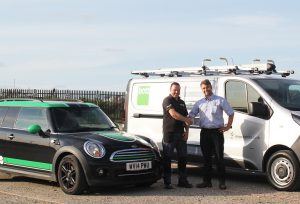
[283,171]
[70,175]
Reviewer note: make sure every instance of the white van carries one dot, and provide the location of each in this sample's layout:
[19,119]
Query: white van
[265,135]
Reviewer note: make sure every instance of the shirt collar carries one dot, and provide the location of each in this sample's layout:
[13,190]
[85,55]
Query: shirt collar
[173,97]
[209,98]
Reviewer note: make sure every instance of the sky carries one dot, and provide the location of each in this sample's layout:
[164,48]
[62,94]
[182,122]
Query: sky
[95,44]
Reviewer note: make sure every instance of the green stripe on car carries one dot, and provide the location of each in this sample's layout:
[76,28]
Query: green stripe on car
[120,136]
[27,163]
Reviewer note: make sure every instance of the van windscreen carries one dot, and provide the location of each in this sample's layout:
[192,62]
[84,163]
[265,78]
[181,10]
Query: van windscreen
[283,91]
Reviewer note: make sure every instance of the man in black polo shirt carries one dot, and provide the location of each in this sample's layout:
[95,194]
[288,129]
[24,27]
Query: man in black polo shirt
[175,135]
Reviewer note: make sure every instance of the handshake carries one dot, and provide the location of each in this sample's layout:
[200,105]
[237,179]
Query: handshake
[188,121]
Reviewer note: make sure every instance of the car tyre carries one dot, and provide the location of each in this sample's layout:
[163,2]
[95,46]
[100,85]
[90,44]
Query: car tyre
[71,177]
[283,171]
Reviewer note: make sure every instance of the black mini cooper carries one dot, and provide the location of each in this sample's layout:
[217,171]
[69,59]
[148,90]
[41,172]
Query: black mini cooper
[73,143]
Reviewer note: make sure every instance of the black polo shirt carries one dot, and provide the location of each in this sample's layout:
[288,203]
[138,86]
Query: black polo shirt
[171,125]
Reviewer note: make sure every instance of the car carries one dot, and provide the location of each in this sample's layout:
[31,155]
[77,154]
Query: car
[74,144]
[264,137]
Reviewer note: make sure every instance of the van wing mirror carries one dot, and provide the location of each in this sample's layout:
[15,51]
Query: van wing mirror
[258,109]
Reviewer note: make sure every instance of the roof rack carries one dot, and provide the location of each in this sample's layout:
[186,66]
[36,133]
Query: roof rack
[255,69]
[21,99]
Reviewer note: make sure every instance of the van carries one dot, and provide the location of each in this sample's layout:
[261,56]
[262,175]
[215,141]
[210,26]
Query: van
[265,134]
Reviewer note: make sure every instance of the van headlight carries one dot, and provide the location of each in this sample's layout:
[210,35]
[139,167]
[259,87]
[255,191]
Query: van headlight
[94,150]
[296,118]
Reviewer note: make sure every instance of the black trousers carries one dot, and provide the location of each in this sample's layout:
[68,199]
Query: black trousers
[212,142]
[168,151]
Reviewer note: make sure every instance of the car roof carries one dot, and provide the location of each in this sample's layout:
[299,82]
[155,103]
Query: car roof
[44,104]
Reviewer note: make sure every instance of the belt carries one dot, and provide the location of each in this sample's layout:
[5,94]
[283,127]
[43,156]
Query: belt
[210,129]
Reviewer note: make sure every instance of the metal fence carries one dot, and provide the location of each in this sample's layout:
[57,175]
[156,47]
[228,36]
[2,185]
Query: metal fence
[112,103]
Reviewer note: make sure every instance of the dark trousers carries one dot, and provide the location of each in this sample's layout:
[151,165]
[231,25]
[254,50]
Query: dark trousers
[212,142]
[168,151]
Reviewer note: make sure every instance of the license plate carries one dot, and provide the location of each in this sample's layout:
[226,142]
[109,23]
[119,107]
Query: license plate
[137,166]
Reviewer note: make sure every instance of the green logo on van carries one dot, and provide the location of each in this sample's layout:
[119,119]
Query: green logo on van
[143,95]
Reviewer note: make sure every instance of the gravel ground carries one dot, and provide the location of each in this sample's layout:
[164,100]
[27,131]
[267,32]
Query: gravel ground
[242,188]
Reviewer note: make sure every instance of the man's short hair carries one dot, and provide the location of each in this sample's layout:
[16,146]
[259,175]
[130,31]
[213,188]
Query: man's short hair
[205,82]
[174,84]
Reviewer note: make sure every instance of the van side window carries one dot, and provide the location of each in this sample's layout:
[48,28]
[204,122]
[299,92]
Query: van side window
[29,116]
[253,96]
[240,94]
[3,111]
[236,95]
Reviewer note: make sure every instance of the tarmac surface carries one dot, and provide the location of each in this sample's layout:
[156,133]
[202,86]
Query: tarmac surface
[241,188]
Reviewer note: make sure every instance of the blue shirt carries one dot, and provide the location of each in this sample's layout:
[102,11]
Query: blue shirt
[210,111]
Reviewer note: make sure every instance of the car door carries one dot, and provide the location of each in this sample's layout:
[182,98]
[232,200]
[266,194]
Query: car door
[29,151]
[246,141]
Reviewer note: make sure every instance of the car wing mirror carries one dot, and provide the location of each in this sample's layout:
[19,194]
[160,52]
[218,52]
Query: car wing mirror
[35,128]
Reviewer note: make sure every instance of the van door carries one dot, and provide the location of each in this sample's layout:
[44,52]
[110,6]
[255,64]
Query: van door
[246,142]
[29,151]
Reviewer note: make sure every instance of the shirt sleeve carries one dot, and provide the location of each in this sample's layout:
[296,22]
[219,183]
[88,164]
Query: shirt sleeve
[226,107]
[167,105]
[185,110]
[195,110]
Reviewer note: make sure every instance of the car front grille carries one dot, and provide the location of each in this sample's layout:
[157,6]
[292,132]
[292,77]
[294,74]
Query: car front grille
[127,155]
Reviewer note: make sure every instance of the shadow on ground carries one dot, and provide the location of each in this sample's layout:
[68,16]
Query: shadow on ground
[238,183]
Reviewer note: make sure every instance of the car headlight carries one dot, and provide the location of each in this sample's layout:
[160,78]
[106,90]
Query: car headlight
[94,150]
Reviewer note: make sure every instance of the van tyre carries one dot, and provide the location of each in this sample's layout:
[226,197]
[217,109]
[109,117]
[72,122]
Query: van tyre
[71,177]
[283,171]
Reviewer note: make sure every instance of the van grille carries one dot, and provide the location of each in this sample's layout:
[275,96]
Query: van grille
[132,155]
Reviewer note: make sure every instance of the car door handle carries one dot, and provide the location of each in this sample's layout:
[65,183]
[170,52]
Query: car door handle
[11,136]
[55,141]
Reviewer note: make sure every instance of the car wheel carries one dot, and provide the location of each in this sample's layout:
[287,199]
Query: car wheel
[283,171]
[70,175]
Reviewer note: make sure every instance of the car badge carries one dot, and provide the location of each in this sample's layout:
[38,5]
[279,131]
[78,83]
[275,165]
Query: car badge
[134,146]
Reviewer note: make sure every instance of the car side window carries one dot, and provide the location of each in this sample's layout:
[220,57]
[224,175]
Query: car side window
[236,95]
[3,111]
[29,116]
[10,117]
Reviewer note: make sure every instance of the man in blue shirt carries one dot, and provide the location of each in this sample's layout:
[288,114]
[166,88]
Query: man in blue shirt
[210,109]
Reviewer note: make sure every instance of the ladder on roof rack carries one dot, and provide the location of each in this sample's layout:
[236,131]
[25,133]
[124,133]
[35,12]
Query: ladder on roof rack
[264,68]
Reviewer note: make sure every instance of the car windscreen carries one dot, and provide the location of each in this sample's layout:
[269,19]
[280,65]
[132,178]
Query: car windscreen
[80,119]
[283,91]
